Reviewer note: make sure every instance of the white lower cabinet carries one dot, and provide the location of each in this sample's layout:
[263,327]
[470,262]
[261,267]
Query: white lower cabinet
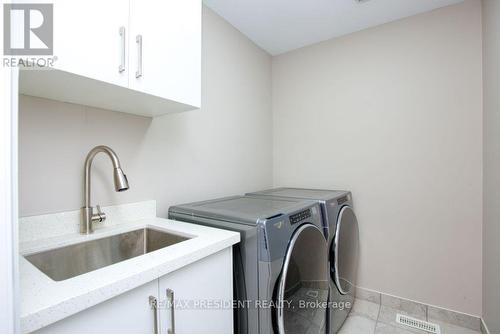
[200,293]
[128,313]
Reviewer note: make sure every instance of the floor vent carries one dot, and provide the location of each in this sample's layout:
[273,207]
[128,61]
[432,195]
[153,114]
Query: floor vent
[418,324]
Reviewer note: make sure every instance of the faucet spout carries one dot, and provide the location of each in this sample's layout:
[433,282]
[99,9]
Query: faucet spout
[120,180]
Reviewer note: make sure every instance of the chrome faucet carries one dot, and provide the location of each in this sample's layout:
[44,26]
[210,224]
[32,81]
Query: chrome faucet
[121,184]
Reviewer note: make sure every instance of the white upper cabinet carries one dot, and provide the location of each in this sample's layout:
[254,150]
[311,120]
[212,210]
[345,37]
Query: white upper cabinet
[165,45]
[87,39]
[136,56]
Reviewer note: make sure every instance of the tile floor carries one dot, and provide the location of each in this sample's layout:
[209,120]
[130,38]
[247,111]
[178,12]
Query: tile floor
[371,318]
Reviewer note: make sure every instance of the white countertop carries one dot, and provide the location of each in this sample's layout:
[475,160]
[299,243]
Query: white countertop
[44,301]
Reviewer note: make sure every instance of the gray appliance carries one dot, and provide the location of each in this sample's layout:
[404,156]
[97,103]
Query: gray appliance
[280,265]
[341,230]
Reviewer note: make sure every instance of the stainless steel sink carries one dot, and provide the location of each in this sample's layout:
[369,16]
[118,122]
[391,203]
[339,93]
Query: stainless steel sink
[70,261]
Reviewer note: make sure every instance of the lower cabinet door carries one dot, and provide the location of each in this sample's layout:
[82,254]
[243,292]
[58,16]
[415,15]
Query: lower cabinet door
[130,313]
[198,298]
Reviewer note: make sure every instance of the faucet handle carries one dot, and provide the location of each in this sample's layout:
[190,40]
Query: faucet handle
[99,216]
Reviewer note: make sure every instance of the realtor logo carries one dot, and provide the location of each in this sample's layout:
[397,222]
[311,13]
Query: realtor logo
[28,29]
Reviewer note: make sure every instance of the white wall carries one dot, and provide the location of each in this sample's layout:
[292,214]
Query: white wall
[173,159]
[394,114]
[9,278]
[491,226]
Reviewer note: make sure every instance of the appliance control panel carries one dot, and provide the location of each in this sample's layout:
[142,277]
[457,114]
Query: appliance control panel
[300,216]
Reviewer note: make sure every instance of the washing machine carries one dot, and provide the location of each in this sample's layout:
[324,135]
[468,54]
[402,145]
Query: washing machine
[281,279]
[340,228]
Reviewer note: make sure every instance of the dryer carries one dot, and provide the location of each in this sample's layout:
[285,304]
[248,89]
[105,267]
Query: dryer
[340,228]
[280,266]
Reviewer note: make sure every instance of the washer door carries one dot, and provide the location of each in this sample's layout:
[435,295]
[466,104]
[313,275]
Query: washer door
[345,251]
[302,292]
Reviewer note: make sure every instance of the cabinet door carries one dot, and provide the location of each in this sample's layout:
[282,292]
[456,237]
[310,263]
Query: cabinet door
[129,313]
[201,295]
[87,38]
[165,49]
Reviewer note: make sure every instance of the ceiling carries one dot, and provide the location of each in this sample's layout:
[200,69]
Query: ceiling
[279,26]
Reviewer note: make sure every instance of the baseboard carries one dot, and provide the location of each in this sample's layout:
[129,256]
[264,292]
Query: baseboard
[433,312]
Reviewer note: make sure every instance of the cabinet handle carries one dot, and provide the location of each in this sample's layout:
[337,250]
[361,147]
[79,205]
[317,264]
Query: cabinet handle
[121,68]
[153,302]
[138,40]
[170,298]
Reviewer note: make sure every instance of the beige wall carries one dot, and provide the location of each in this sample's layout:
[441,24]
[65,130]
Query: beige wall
[491,227]
[173,159]
[394,114]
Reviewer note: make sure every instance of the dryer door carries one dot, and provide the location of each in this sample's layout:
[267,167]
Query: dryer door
[345,251]
[302,291]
